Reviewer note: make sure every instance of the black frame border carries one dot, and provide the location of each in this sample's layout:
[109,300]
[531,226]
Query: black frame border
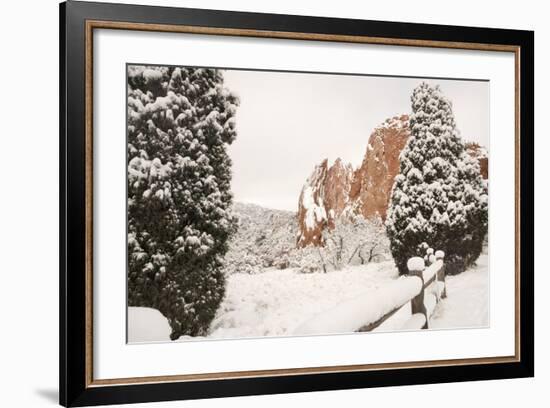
[72,176]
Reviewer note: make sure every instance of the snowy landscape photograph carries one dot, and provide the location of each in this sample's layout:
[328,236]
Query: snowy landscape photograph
[270,203]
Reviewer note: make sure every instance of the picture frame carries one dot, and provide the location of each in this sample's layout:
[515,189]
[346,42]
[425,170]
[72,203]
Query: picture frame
[78,23]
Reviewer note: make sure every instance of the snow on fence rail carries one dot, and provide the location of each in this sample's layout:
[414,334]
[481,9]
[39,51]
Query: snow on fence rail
[433,289]
[422,289]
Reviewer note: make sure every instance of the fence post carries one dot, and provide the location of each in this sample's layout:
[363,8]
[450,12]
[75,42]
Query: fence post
[441,273]
[429,258]
[416,267]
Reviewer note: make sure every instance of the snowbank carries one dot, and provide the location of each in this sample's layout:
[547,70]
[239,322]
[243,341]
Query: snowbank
[147,325]
[415,322]
[467,301]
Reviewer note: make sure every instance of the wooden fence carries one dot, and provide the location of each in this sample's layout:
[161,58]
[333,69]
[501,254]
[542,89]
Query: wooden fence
[431,271]
[420,291]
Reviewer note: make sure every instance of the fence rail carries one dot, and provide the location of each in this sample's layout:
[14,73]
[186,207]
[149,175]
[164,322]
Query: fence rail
[421,290]
[433,289]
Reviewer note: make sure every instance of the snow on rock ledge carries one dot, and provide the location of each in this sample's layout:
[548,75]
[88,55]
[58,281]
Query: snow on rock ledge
[147,325]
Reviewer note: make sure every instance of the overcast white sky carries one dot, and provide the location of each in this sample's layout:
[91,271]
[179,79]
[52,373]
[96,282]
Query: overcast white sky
[289,122]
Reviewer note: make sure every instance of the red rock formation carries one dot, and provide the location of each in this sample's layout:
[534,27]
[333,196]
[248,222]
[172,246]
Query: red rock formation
[337,186]
[312,217]
[332,191]
[374,179]
[480,153]
[323,198]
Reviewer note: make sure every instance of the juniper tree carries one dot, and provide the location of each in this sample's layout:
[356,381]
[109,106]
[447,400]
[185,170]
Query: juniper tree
[438,196]
[180,122]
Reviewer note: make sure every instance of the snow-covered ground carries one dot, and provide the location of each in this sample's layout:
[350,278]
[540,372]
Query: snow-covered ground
[280,302]
[147,325]
[276,302]
[467,302]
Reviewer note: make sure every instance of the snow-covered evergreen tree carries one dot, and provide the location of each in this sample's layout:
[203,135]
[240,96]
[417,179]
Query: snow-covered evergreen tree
[180,122]
[438,196]
[474,200]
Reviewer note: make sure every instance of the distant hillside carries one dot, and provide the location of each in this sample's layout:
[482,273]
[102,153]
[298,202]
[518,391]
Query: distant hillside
[259,221]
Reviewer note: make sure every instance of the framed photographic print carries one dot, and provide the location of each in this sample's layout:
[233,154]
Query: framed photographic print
[256,203]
